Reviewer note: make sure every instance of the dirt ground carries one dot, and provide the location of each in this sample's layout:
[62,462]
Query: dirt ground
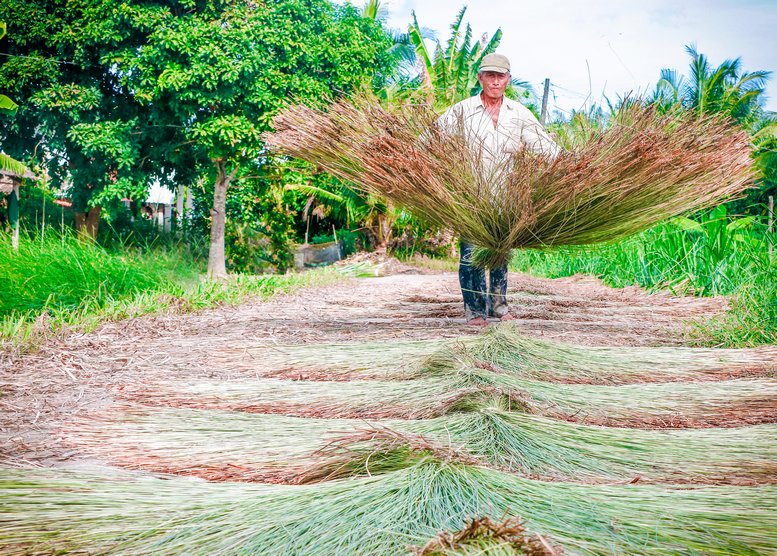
[44,390]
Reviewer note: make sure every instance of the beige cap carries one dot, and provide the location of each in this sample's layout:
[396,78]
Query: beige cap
[495,62]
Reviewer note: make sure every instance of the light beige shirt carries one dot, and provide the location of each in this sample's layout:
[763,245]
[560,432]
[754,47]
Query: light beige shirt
[516,128]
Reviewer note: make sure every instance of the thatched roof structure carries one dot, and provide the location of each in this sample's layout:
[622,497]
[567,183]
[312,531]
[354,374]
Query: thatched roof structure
[8,179]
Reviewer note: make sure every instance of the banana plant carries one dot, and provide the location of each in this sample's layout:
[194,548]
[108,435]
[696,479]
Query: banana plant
[8,164]
[450,73]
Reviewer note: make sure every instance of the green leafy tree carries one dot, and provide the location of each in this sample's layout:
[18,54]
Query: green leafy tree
[75,117]
[218,73]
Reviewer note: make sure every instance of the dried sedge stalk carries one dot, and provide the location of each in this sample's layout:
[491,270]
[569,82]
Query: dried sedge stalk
[376,450]
[510,534]
[644,168]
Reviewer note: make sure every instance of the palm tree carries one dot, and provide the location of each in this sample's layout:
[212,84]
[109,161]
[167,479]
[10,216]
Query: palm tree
[402,52]
[724,89]
[728,90]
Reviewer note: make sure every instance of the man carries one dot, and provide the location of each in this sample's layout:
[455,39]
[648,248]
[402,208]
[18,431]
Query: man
[494,127]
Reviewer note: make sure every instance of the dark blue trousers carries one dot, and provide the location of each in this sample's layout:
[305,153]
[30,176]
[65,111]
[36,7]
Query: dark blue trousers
[481,299]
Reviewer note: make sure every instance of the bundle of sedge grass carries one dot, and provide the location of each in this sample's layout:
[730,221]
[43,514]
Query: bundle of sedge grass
[223,446]
[728,403]
[644,168]
[49,511]
[505,349]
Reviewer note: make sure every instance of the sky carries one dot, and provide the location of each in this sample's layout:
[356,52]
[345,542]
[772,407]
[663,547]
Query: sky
[593,48]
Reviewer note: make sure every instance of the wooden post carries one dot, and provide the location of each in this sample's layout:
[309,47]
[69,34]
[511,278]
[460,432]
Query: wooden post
[13,204]
[43,221]
[179,207]
[188,208]
[544,112]
[334,233]
[771,224]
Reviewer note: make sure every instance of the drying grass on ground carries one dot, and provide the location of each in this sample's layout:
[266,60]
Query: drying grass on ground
[712,255]
[660,405]
[274,448]
[488,429]
[129,514]
[336,362]
[644,168]
[505,349]
[500,349]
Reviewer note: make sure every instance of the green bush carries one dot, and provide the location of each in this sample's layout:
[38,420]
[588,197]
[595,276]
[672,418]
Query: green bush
[350,240]
[248,251]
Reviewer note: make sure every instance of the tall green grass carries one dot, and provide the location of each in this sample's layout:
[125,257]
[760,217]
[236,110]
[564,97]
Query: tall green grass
[65,282]
[69,274]
[711,255]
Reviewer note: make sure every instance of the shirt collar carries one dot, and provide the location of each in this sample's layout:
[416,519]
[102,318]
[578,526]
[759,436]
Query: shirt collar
[506,102]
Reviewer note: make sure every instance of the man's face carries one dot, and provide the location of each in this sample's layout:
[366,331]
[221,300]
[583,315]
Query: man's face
[493,83]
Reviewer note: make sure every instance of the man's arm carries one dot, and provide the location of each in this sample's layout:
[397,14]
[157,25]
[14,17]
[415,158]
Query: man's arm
[534,136]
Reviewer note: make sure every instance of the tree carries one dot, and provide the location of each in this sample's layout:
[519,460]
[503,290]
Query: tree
[727,89]
[75,118]
[724,89]
[401,51]
[218,73]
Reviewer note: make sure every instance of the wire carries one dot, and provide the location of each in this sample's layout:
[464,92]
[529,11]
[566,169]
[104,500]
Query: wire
[581,95]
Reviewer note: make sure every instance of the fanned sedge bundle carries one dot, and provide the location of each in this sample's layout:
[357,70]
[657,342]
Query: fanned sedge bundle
[48,511]
[224,446]
[500,348]
[727,403]
[644,168]
[505,349]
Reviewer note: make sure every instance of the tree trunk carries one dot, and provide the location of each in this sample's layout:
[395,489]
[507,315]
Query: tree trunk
[88,224]
[216,262]
[385,225]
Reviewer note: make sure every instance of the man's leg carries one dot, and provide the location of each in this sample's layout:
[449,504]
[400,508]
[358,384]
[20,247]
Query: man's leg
[473,286]
[497,290]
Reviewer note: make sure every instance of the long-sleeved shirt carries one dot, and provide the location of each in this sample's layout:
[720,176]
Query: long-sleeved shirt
[516,128]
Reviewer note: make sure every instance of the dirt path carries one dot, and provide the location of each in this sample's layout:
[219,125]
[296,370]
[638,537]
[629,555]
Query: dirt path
[65,379]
